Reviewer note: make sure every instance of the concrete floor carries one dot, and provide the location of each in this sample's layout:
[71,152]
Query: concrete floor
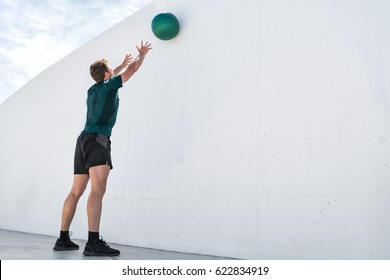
[25,246]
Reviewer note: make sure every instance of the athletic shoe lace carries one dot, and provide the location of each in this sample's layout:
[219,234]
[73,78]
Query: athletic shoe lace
[104,242]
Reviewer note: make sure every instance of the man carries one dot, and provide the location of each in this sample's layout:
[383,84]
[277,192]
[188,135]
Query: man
[92,154]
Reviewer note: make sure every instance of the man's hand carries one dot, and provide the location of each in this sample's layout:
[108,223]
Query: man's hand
[126,62]
[143,49]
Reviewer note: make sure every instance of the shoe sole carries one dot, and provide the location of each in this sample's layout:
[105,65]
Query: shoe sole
[56,248]
[93,254]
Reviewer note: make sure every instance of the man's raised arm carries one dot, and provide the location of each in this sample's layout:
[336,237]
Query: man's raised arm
[137,62]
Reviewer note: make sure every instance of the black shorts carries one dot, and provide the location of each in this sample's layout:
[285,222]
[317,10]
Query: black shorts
[91,150]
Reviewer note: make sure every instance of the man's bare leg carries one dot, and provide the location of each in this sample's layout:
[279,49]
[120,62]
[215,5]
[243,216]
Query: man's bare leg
[96,246]
[99,175]
[64,243]
[80,182]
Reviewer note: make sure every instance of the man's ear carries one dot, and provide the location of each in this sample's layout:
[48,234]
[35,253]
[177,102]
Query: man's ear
[106,76]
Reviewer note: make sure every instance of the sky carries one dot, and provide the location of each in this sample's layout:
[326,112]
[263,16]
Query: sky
[36,34]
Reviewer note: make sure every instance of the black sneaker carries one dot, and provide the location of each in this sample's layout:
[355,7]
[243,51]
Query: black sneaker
[62,245]
[99,249]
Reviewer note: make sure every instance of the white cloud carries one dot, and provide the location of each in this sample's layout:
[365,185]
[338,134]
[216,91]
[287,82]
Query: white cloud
[36,34]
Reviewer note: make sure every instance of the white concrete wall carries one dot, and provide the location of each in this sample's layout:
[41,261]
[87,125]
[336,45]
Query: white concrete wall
[262,131]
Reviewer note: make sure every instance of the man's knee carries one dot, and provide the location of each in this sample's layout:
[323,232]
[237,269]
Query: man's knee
[79,185]
[76,194]
[98,191]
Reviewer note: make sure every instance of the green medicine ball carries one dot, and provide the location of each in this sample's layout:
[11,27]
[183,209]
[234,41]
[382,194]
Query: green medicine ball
[165,26]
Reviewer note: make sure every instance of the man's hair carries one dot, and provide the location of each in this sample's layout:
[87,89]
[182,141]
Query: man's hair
[98,69]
